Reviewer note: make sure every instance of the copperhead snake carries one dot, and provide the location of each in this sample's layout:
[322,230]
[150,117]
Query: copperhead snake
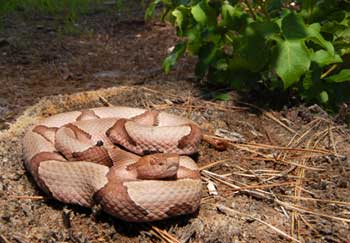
[79,157]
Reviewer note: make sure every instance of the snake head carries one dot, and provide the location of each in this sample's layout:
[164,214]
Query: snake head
[157,166]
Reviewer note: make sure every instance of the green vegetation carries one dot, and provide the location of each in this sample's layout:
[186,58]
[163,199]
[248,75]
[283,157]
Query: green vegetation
[70,8]
[298,47]
[301,48]
[67,11]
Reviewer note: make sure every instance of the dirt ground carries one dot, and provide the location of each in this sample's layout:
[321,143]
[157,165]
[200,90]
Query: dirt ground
[285,173]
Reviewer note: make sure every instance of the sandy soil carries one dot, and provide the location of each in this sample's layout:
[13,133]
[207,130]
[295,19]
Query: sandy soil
[265,180]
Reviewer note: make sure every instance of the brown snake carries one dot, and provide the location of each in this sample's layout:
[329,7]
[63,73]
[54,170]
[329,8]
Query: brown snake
[76,157]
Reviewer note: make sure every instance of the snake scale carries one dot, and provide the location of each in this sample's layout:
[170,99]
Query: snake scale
[130,161]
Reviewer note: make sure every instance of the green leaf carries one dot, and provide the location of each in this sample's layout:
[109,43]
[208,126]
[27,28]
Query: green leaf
[171,60]
[343,33]
[233,18]
[342,76]
[332,27]
[340,16]
[307,81]
[314,35]
[312,86]
[227,12]
[253,50]
[266,29]
[293,27]
[194,40]
[324,97]
[179,18]
[292,61]
[207,55]
[312,79]
[324,58]
[211,12]
[223,96]
[199,14]
[221,64]
[150,10]
[274,4]
[307,5]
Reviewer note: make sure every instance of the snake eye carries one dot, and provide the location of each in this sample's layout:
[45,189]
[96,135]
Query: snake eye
[99,143]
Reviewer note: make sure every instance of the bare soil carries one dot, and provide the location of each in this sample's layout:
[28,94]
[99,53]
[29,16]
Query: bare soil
[289,175]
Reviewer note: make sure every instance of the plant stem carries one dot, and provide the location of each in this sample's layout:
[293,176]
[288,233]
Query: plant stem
[326,73]
[262,4]
[310,10]
[250,9]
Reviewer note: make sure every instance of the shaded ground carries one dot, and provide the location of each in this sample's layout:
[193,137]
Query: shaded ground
[37,59]
[261,179]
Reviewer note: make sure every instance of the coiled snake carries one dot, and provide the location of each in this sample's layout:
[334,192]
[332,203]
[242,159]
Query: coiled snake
[73,157]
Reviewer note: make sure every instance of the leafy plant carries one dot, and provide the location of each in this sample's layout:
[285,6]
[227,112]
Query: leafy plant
[301,47]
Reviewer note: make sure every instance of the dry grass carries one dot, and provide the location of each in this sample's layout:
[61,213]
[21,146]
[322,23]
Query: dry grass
[283,182]
[305,147]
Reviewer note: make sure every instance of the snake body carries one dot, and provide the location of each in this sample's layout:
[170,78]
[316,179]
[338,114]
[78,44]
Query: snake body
[130,161]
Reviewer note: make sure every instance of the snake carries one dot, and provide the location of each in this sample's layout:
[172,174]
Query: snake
[134,163]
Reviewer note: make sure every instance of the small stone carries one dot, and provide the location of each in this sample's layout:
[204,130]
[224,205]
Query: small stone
[342,183]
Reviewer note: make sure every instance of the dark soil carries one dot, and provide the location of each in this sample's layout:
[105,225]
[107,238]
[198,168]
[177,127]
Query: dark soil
[122,51]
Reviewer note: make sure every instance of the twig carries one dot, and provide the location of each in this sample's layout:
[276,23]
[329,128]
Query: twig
[189,105]
[232,212]
[283,162]
[262,5]
[305,190]
[269,136]
[332,140]
[267,146]
[3,238]
[271,116]
[331,136]
[266,195]
[306,210]
[282,174]
[288,183]
[319,200]
[217,106]
[27,197]
[213,176]
[298,191]
[104,101]
[321,137]
[250,9]
[308,224]
[165,235]
[250,150]
[326,73]
[312,125]
[247,187]
[204,167]
[225,107]
[297,194]
[218,144]
[259,194]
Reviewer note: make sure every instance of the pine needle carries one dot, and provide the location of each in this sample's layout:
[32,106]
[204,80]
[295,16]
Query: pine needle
[232,212]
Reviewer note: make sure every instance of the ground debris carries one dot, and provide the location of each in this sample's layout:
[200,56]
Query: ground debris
[289,168]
